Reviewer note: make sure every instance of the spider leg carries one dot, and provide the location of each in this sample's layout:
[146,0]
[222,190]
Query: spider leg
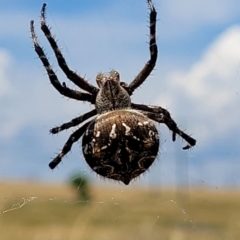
[161,115]
[74,137]
[74,122]
[73,76]
[62,88]
[149,66]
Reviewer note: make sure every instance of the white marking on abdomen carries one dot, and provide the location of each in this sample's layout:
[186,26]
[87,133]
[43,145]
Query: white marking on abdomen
[113,133]
[128,129]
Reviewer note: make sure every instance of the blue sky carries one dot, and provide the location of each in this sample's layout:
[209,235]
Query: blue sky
[197,78]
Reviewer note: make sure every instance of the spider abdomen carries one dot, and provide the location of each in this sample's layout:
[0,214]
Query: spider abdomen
[121,144]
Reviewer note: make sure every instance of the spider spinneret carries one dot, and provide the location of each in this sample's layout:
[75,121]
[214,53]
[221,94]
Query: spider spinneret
[122,141]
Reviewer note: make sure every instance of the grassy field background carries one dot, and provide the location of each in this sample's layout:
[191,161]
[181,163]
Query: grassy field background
[42,212]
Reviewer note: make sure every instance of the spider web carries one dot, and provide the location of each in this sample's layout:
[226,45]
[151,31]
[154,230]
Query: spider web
[113,210]
[178,206]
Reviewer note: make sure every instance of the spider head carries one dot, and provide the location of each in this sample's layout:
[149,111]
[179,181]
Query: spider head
[111,95]
[108,80]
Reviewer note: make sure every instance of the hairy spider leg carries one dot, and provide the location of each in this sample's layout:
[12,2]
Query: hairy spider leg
[149,66]
[74,122]
[161,115]
[73,76]
[74,137]
[62,88]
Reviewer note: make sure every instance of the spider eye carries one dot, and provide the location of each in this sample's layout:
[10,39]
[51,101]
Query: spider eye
[115,75]
[99,78]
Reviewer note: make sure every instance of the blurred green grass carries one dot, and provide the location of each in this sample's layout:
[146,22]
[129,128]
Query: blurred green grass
[53,212]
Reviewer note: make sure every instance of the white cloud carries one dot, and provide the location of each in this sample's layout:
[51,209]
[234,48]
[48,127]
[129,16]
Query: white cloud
[207,94]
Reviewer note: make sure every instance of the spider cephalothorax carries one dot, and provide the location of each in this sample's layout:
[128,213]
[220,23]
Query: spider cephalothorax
[111,95]
[121,142]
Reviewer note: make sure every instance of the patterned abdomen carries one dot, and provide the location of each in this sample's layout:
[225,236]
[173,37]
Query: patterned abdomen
[120,144]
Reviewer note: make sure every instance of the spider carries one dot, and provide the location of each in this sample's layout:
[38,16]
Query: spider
[121,141]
